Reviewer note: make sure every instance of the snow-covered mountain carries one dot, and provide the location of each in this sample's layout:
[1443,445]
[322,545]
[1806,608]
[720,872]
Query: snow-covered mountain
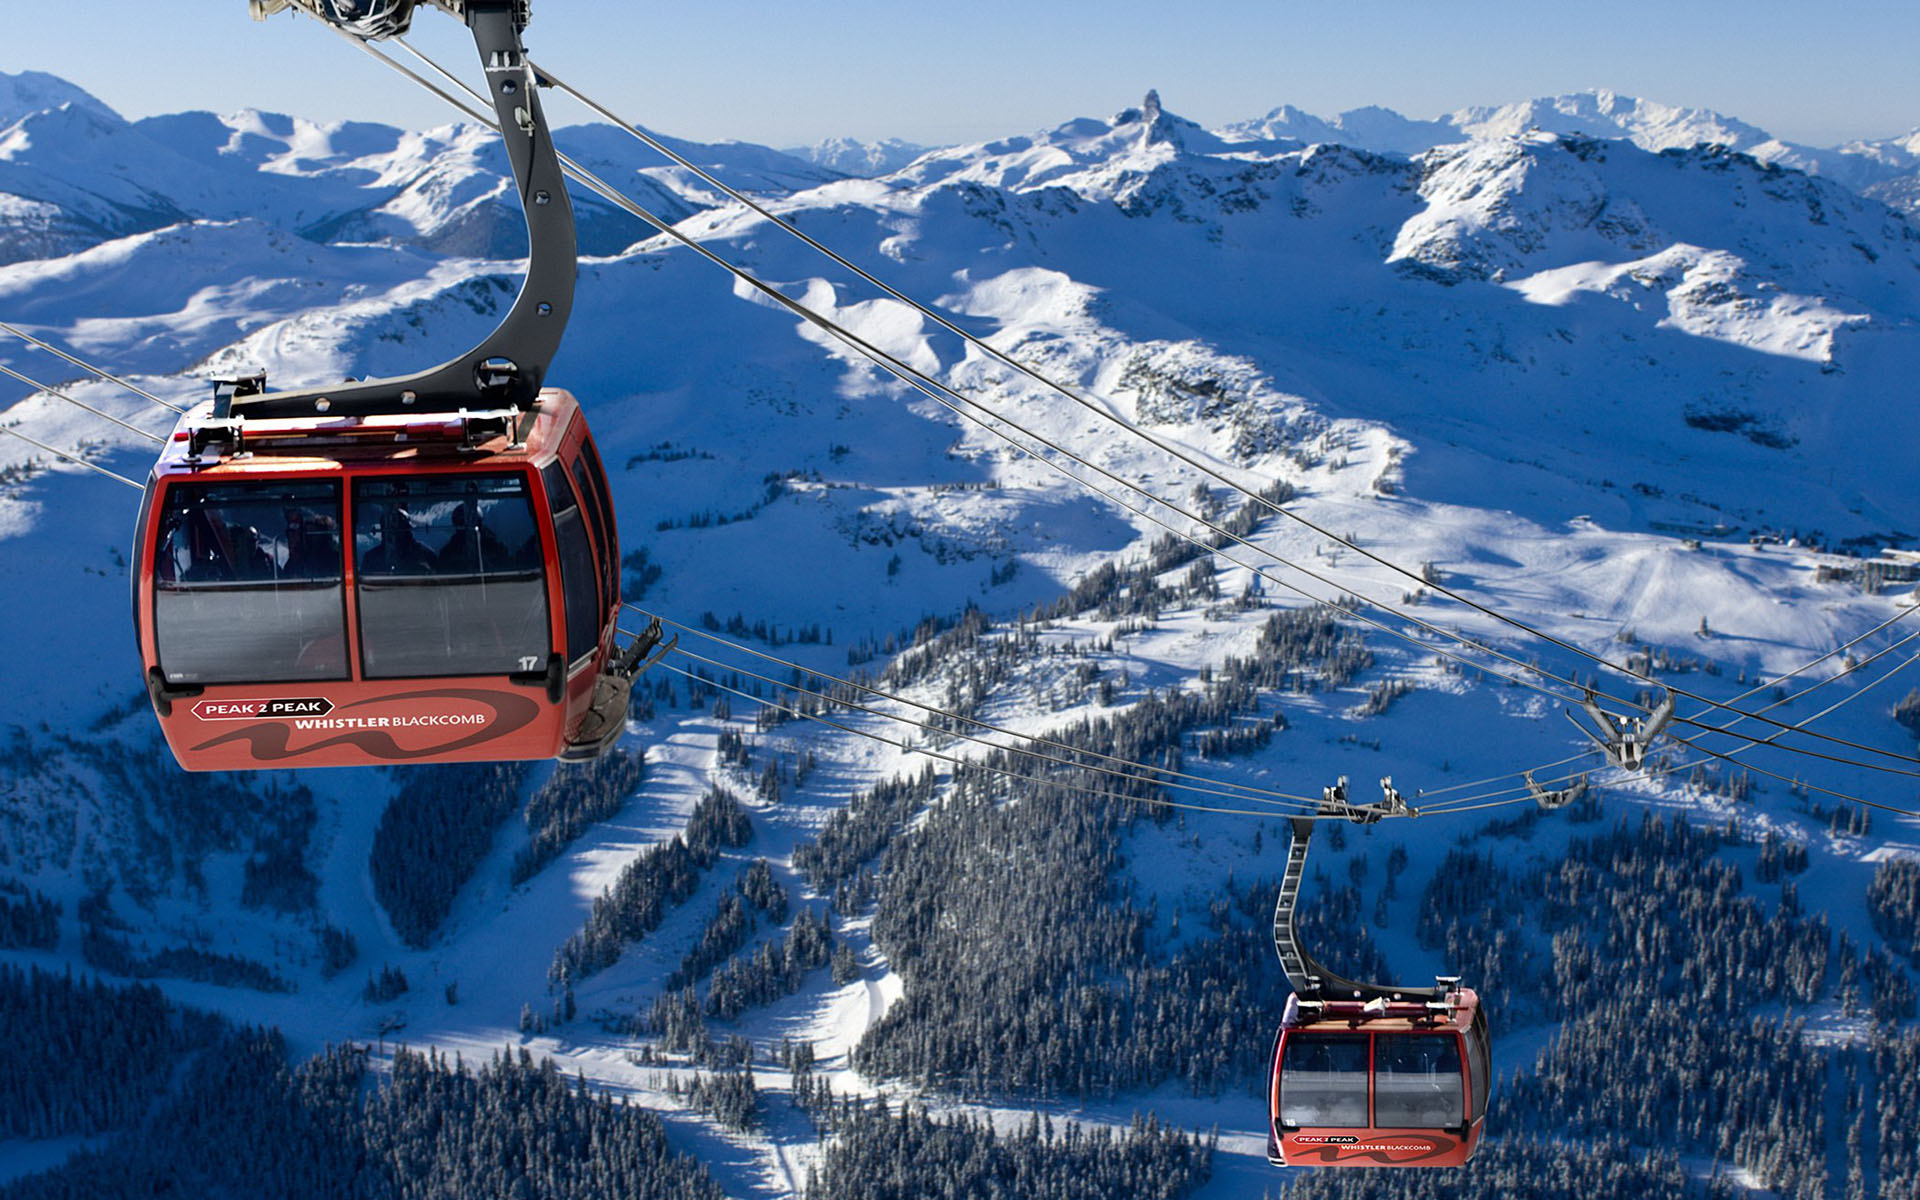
[1641,389]
[1369,128]
[850,156]
[1598,113]
[1647,125]
[32,92]
[1886,169]
[73,173]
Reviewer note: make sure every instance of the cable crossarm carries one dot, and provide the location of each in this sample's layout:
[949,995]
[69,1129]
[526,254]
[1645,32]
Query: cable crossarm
[954,400]
[971,764]
[87,367]
[60,395]
[72,458]
[1243,791]
[1139,772]
[1045,381]
[1461,787]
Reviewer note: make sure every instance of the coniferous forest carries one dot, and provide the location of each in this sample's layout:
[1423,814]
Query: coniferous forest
[190,1105]
[1677,978]
[433,835]
[1679,981]
[880,1154]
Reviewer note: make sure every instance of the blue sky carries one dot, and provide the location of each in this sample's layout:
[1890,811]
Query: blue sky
[792,73]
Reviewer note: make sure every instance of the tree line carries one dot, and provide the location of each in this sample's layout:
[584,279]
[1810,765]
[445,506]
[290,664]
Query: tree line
[29,918]
[433,835]
[881,1153]
[574,797]
[243,1122]
[658,879]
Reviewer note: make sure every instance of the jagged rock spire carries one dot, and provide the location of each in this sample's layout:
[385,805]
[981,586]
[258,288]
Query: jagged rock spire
[1154,124]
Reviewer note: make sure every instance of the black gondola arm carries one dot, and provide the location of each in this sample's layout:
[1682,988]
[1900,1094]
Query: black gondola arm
[509,366]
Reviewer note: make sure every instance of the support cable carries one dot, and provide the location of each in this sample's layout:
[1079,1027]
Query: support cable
[87,367]
[1281,800]
[940,393]
[1241,789]
[1462,805]
[59,395]
[969,764]
[920,381]
[1768,740]
[73,458]
[1755,690]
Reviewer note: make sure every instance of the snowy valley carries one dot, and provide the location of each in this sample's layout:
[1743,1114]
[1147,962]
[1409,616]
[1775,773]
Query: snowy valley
[1638,378]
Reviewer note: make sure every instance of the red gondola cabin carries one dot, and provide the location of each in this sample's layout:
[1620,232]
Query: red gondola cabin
[1380,1084]
[380,590]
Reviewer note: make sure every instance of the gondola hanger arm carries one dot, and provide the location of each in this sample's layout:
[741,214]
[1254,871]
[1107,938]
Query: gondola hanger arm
[507,368]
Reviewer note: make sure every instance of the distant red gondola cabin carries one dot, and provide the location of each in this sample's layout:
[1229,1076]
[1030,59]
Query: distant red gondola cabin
[353,591]
[1380,1084]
